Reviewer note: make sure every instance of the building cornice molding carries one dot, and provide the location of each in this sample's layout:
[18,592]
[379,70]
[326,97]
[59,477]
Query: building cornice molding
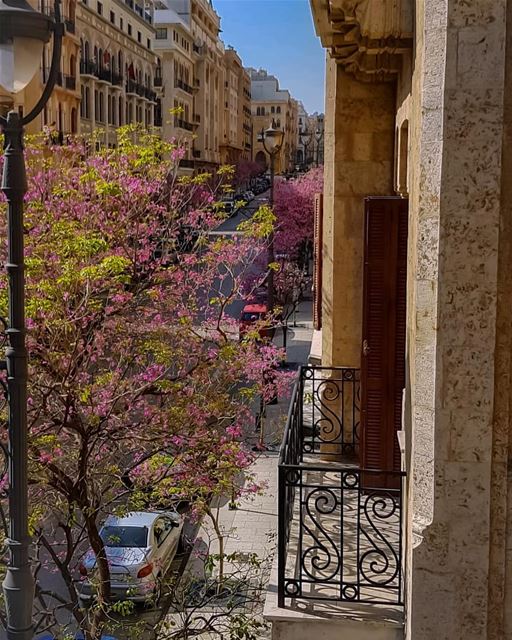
[367,37]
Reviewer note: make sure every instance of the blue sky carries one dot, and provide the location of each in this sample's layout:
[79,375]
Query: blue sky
[278,35]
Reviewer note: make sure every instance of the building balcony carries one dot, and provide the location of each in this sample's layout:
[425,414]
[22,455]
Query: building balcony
[157,81]
[186,164]
[70,25]
[180,84]
[196,153]
[340,527]
[137,89]
[183,124]
[88,68]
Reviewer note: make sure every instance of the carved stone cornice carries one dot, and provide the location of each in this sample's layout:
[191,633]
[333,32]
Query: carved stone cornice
[368,37]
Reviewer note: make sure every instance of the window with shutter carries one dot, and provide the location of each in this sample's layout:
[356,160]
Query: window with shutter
[384,332]
[317,261]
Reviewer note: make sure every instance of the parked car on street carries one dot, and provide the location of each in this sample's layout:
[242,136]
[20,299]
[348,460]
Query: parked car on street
[140,549]
[253,313]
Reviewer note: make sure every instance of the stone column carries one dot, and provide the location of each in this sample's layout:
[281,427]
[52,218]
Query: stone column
[359,158]
[460,325]
[92,110]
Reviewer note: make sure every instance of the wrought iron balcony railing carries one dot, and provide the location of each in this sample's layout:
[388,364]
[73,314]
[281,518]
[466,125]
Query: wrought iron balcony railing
[340,535]
[183,124]
[181,84]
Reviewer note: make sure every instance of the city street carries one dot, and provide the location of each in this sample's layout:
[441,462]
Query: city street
[147,618]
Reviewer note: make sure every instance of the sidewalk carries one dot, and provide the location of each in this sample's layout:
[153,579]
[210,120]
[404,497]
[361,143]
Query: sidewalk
[252,527]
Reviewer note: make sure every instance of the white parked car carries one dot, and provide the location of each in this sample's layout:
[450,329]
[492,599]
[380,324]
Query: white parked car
[140,549]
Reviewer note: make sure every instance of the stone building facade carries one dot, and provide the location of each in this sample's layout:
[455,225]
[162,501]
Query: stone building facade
[419,105]
[175,72]
[269,102]
[236,125]
[117,66]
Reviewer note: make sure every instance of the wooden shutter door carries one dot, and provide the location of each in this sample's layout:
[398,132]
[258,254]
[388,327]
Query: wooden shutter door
[384,331]
[317,262]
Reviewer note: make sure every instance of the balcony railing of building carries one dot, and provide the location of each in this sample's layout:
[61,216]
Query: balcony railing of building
[180,84]
[183,124]
[70,82]
[340,530]
[185,163]
[88,68]
[196,153]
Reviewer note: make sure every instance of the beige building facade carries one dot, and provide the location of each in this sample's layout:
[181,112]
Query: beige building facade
[236,138]
[176,79]
[418,116]
[117,66]
[206,81]
[270,103]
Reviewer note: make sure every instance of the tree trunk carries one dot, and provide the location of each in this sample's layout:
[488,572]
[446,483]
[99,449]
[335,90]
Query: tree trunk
[103,587]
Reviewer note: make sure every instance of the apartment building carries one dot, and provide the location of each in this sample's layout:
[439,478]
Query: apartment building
[395,475]
[270,103]
[61,114]
[236,139]
[175,79]
[310,138]
[117,66]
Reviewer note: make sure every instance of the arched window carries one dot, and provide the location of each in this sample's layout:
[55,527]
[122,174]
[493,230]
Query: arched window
[120,62]
[102,108]
[87,109]
[74,125]
[278,123]
[72,66]
[272,109]
[278,109]
[262,111]
[121,110]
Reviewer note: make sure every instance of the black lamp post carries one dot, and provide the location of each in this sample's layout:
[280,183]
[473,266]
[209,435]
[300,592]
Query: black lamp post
[318,136]
[305,138]
[272,139]
[23,34]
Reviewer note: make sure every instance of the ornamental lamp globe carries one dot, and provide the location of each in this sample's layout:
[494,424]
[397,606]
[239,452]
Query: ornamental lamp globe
[23,34]
[274,138]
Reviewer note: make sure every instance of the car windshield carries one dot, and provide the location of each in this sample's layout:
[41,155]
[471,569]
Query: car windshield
[125,536]
[251,317]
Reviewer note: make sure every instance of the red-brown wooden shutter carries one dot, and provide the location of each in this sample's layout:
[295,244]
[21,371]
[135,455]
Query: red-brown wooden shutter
[384,318]
[317,261]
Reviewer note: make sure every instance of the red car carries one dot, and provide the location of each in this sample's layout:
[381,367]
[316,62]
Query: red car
[251,314]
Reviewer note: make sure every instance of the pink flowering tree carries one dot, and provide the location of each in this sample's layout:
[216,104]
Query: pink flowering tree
[294,208]
[245,170]
[139,388]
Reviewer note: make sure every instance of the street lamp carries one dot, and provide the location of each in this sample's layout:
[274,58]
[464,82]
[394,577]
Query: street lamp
[305,138]
[272,139]
[318,136]
[23,34]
